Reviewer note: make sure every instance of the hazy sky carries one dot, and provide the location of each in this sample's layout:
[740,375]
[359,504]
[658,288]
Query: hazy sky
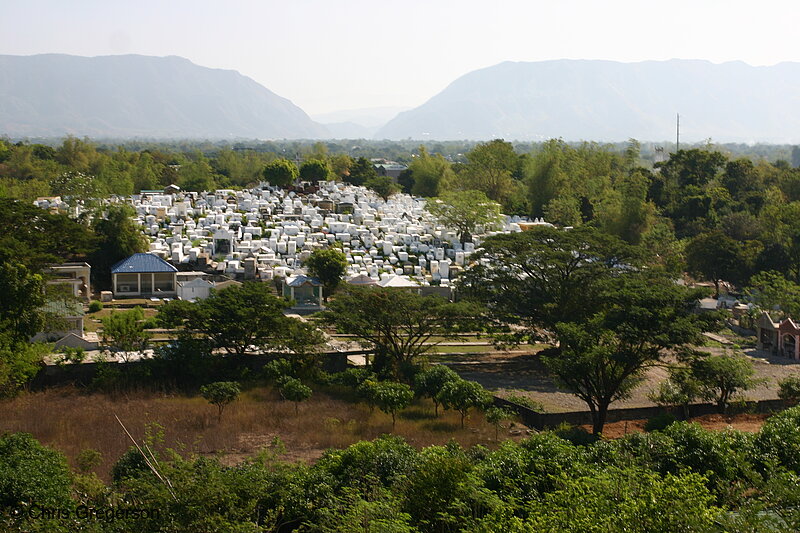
[328,55]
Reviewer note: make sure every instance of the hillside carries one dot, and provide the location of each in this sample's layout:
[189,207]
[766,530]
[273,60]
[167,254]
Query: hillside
[140,96]
[611,101]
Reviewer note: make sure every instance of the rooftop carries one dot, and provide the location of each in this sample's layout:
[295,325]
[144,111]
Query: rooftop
[142,263]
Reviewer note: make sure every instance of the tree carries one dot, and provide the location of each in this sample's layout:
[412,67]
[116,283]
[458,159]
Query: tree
[32,475]
[361,171]
[328,265]
[383,186]
[314,170]
[401,325]
[544,276]
[429,174]
[430,381]
[490,169]
[463,395]
[680,389]
[715,257]
[465,211]
[789,389]
[293,390]
[119,238]
[21,315]
[771,291]
[496,416]
[220,393]
[280,173]
[34,237]
[722,377]
[124,331]
[602,359]
[241,318]
[391,397]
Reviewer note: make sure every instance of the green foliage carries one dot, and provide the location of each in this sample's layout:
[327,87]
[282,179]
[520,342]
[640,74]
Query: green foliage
[465,211]
[524,401]
[293,390]
[361,171]
[496,416]
[400,324]
[88,460]
[383,186]
[789,388]
[119,238]
[241,318]
[463,395]
[329,265]
[124,331]
[722,377]
[429,382]
[772,292]
[220,393]
[429,174]
[280,173]
[95,306]
[490,170]
[314,170]
[715,257]
[659,422]
[626,499]
[31,474]
[391,397]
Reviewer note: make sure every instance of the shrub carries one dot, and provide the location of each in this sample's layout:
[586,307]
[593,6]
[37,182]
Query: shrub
[574,434]
[524,401]
[659,422]
[95,306]
[293,390]
[32,474]
[430,381]
[789,388]
[220,393]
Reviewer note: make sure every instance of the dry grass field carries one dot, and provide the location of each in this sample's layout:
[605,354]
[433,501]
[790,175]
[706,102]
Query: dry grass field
[70,421]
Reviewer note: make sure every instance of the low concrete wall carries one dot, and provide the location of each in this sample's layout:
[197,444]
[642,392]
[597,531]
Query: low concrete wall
[536,420]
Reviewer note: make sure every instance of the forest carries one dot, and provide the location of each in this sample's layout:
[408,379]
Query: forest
[603,295]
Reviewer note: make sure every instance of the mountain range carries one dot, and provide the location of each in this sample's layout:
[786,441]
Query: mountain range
[132,95]
[52,95]
[611,101]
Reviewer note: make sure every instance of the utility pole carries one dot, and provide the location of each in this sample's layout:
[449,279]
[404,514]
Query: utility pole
[678,134]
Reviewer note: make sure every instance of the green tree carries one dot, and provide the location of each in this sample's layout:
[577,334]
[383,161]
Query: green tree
[328,265]
[392,397]
[602,360]
[771,291]
[429,383]
[463,395]
[680,389]
[124,332]
[361,171]
[429,174]
[280,173]
[119,238]
[383,186]
[293,390]
[239,319]
[221,394]
[31,474]
[197,175]
[490,169]
[789,389]
[496,416]
[401,325]
[314,170]
[715,257]
[465,211]
[544,276]
[722,377]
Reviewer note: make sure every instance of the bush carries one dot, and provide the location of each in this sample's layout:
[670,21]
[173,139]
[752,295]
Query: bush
[524,401]
[95,306]
[574,434]
[789,388]
[660,422]
[778,442]
[32,474]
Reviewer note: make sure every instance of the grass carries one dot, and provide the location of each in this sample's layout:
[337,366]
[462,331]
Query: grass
[71,420]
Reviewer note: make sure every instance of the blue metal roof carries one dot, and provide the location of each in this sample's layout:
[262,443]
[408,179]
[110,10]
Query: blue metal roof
[142,263]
